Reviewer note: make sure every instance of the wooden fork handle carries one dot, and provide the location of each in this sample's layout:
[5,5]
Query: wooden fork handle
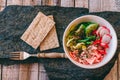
[51,55]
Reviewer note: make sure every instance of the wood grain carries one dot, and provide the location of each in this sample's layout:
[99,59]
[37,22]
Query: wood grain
[81,3]
[113,74]
[55,2]
[14,2]
[38,2]
[104,5]
[28,71]
[31,2]
[117,5]
[119,67]
[0,72]
[51,2]
[67,3]
[2,4]
[1,8]
[10,72]
[42,72]
[24,72]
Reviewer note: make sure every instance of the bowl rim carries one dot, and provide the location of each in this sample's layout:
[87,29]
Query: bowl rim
[78,64]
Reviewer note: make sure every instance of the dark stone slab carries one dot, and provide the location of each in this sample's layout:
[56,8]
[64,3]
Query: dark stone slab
[14,20]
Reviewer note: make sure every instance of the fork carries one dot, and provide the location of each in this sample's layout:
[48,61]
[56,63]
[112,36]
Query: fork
[21,55]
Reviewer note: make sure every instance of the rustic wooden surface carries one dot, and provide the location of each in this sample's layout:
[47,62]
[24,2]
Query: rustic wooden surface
[36,71]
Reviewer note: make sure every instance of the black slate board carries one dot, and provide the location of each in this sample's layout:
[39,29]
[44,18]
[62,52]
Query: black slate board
[14,20]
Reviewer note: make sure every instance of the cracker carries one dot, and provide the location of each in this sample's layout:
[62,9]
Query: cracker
[51,40]
[38,30]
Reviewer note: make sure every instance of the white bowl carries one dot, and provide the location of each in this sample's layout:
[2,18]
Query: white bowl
[112,46]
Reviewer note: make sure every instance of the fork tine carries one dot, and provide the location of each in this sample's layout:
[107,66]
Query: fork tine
[15,52]
[15,58]
[15,55]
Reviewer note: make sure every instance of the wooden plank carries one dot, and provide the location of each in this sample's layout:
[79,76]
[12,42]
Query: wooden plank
[67,3]
[42,72]
[33,71]
[104,5]
[51,2]
[10,72]
[1,8]
[56,2]
[28,71]
[117,5]
[9,2]
[24,72]
[81,3]
[45,2]
[14,2]
[113,74]
[93,7]
[2,4]
[0,72]
[119,67]
[38,2]
[31,2]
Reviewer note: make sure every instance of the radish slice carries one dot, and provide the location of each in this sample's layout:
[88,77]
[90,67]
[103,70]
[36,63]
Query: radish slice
[106,28]
[98,30]
[104,31]
[106,38]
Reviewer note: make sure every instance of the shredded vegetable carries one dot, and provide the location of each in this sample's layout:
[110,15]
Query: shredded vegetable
[88,42]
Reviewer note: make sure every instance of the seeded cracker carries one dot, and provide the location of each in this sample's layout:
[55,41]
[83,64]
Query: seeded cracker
[38,30]
[51,40]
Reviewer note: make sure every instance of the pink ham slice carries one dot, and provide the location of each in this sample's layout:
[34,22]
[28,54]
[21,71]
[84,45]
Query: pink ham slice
[91,60]
[106,38]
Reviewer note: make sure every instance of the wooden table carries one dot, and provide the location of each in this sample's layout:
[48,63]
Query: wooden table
[36,71]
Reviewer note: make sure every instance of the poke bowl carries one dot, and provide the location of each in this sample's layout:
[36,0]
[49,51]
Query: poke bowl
[90,41]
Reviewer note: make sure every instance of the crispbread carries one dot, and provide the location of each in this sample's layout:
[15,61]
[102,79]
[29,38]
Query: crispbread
[38,30]
[51,40]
